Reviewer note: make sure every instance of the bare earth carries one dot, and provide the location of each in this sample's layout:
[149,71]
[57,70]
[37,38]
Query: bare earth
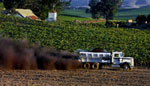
[81,77]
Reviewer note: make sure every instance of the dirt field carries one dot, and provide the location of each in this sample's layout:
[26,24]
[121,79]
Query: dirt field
[81,77]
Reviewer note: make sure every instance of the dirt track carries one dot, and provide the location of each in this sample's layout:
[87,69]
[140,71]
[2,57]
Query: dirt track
[105,77]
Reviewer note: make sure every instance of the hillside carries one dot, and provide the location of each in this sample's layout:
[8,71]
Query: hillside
[71,36]
[122,14]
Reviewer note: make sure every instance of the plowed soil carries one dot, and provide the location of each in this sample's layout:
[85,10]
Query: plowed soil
[81,77]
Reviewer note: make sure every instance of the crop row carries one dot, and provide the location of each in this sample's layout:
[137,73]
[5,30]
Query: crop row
[71,36]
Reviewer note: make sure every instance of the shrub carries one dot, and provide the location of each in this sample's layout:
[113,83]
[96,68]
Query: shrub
[113,23]
[141,19]
[148,18]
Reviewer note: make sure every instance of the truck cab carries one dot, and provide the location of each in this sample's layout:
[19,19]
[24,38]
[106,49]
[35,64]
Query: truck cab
[118,60]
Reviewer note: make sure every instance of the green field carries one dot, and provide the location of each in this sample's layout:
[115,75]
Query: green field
[65,35]
[75,13]
[122,14]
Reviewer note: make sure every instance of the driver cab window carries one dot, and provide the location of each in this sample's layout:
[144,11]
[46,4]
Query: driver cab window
[117,55]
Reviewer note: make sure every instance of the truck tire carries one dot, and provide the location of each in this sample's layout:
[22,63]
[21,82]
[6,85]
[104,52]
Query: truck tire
[86,65]
[126,67]
[95,66]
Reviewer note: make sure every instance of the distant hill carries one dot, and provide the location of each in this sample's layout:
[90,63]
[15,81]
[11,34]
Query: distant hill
[126,3]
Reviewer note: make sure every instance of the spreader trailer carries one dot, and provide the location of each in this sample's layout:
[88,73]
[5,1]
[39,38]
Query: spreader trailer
[96,60]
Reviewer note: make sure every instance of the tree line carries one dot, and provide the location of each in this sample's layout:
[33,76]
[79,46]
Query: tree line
[39,7]
[142,19]
[105,8]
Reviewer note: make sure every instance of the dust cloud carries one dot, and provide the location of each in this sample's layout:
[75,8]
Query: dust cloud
[20,55]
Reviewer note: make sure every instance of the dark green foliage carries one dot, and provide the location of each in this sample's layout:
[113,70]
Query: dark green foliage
[87,10]
[9,4]
[95,13]
[42,7]
[71,36]
[105,8]
[108,8]
[111,24]
[116,23]
[22,3]
[141,19]
[148,19]
[39,7]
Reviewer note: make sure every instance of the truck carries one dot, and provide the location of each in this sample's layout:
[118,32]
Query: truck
[96,60]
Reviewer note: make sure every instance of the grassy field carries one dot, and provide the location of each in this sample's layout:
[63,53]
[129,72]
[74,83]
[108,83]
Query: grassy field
[75,13]
[123,14]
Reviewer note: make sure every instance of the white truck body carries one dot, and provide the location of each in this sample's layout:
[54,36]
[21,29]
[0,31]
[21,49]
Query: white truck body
[116,59]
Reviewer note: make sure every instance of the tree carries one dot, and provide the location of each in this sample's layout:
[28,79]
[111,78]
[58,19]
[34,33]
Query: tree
[42,7]
[24,3]
[56,5]
[93,10]
[39,7]
[148,19]
[141,19]
[106,8]
[9,4]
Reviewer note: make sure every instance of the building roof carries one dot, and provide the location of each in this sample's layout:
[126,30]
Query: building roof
[33,17]
[27,13]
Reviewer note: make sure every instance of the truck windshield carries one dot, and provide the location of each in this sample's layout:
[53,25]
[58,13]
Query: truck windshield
[116,55]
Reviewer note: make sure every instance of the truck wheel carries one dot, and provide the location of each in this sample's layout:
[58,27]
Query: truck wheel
[95,66]
[86,66]
[126,67]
